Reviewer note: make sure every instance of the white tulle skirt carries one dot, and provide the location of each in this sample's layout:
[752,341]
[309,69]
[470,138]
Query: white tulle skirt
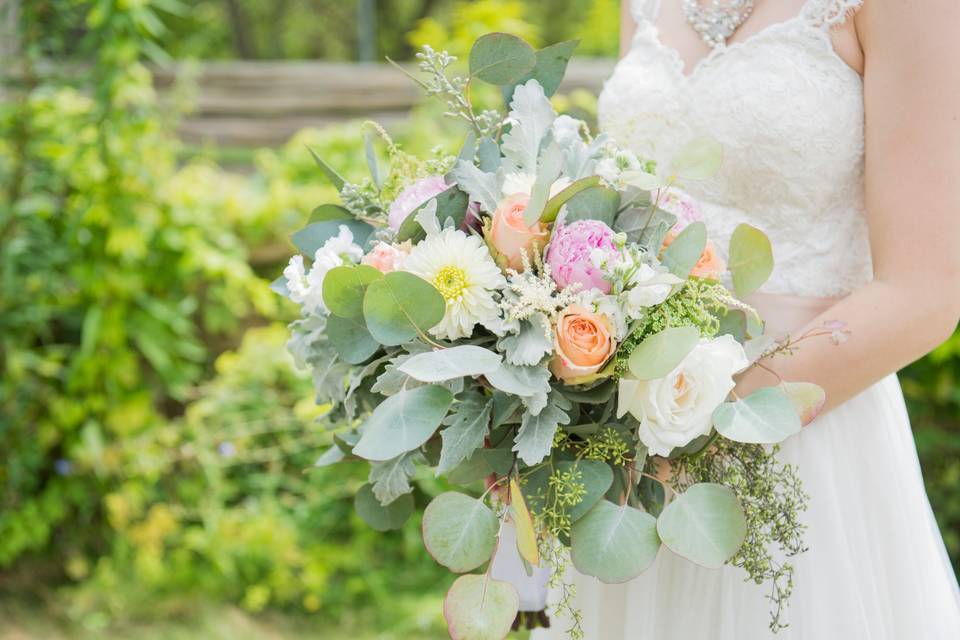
[876,568]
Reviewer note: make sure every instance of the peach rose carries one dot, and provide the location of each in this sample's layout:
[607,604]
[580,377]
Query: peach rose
[508,233]
[386,257]
[583,343]
[710,265]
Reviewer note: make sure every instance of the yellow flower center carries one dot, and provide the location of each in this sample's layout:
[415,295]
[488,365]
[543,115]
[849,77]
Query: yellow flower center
[450,282]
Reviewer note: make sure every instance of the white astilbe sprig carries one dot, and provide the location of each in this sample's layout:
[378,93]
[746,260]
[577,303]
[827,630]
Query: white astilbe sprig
[532,291]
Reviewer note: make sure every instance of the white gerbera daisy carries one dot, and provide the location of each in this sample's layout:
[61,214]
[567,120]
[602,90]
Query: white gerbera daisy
[461,269]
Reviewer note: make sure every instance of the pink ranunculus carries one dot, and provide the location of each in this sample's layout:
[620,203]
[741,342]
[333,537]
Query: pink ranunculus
[412,197]
[386,257]
[573,251]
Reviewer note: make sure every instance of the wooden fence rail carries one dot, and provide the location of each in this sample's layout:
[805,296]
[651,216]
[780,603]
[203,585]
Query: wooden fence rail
[264,103]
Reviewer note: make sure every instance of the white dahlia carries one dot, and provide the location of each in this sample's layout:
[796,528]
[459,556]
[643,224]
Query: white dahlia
[461,269]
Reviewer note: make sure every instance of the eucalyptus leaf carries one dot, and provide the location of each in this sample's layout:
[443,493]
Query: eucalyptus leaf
[335,178]
[766,416]
[344,288]
[330,212]
[401,306]
[501,58]
[705,524]
[595,476]
[488,155]
[331,456]
[551,66]
[459,532]
[662,352]
[531,384]
[699,159]
[750,259]
[552,209]
[614,543]
[403,422]
[451,203]
[684,252]
[378,516]
[594,203]
[351,340]
[477,607]
[315,235]
[371,154]
[454,362]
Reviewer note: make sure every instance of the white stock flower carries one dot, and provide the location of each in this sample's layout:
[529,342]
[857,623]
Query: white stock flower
[647,287]
[306,288]
[678,408]
[461,269]
[607,305]
[523,183]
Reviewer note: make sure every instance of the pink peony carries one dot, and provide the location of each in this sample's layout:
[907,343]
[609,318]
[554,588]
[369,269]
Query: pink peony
[684,207]
[412,197]
[572,254]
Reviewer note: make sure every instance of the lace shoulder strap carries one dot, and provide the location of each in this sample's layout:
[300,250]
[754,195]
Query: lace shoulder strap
[830,13]
[645,11]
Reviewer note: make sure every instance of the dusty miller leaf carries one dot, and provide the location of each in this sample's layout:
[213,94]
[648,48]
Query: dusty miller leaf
[468,427]
[391,478]
[535,438]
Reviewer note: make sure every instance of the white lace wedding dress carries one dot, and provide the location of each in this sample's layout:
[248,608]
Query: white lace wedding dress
[789,114]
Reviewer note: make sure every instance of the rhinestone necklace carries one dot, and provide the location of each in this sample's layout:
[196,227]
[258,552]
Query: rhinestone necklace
[717,21]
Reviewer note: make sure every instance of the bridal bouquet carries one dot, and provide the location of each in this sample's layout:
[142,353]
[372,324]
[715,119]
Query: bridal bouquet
[545,312]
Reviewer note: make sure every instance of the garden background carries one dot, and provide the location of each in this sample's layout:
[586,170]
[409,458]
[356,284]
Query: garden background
[156,442]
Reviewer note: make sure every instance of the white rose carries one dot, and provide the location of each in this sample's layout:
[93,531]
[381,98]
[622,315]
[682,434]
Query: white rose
[678,408]
[648,287]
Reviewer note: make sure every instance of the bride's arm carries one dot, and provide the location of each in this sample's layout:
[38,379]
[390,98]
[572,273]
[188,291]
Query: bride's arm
[912,101]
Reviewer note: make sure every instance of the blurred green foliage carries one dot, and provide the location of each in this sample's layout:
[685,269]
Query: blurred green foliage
[158,443]
[305,29]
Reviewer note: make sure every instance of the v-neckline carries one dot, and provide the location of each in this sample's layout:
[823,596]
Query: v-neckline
[720,51]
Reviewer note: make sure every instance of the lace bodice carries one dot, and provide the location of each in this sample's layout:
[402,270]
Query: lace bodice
[789,114]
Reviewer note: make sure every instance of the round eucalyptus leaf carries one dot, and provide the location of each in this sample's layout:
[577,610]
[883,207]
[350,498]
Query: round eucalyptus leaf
[704,524]
[378,516]
[684,252]
[699,159]
[766,416]
[400,306]
[526,535]
[344,287]
[750,259]
[501,58]
[614,543]
[459,532]
[480,608]
[350,338]
[662,352]
[403,422]
[330,212]
[315,235]
[594,475]
[596,203]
